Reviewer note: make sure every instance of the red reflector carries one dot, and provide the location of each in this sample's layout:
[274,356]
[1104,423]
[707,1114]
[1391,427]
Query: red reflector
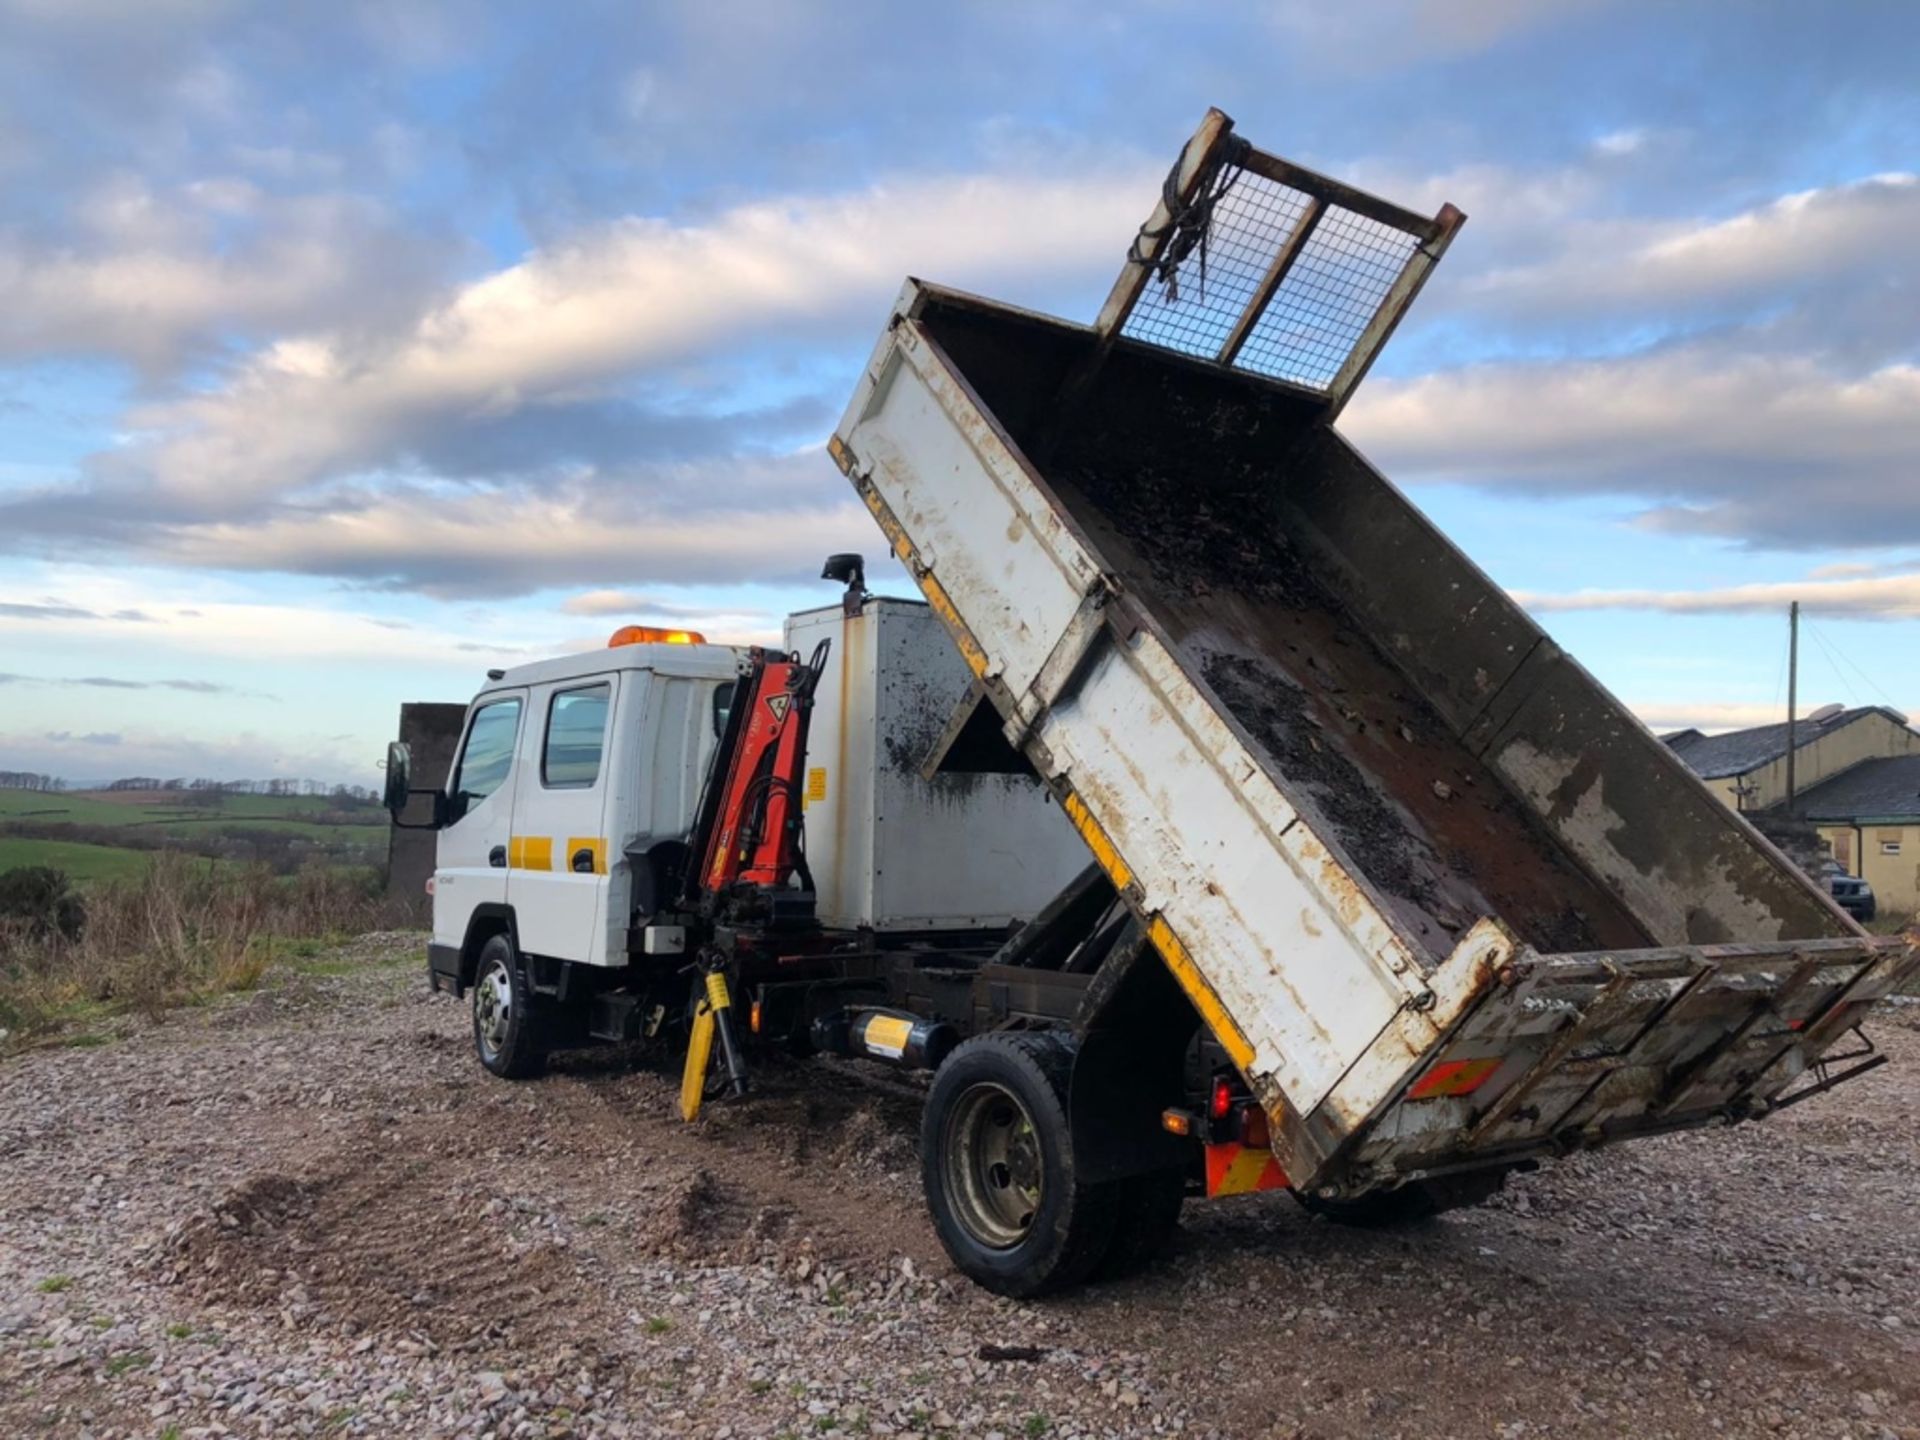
[1221,1101]
[1454,1077]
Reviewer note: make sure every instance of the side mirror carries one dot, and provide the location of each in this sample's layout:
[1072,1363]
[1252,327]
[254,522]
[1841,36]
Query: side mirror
[399,793]
[399,777]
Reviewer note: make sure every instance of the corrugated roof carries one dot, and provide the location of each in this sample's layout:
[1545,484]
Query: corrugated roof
[1714,757]
[1873,788]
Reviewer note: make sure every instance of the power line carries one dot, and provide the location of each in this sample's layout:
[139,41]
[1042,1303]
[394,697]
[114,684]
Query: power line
[1779,679]
[1833,664]
[1871,685]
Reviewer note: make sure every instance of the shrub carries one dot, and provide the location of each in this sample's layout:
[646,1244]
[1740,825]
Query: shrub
[41,900]
[186,929]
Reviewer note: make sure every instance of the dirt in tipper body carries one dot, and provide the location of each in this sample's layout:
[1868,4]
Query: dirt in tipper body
[1181,486]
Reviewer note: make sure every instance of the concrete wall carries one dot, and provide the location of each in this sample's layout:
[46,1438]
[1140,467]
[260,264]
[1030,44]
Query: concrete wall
[1895,877]
[1871,737]
[432,730]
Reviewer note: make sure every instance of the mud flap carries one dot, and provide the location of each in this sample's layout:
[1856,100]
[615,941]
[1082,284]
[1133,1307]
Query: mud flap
[1119,1089]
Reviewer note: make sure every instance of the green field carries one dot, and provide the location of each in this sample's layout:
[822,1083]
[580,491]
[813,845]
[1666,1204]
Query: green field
[171,814]
[84,863]
[144,821]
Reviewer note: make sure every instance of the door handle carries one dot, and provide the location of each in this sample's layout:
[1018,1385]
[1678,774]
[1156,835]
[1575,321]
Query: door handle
[582,862]
[497,857]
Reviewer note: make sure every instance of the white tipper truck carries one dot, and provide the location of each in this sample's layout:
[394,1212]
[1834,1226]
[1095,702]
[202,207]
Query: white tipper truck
[1387,896]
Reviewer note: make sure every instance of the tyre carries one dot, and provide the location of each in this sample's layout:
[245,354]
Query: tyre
[1148,1212]
[507,1028]
[998,1167]
[1408,1205]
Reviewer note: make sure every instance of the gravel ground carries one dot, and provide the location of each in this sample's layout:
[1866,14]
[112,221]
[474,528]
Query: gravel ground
[308,1212]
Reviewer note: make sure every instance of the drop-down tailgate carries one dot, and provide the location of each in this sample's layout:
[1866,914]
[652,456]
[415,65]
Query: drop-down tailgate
[1558,1052]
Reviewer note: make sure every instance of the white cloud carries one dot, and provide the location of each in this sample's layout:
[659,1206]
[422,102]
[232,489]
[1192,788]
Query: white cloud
[1772,449]
[150,275]
[1620,142]
[632,295]
[1851,233]
[508,543]
[1892,597]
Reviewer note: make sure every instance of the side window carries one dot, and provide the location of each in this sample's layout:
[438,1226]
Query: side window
[722,707]
[488,754]
[576,737]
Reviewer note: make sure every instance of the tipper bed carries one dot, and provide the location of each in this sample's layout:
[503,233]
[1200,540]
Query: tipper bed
[1444,902]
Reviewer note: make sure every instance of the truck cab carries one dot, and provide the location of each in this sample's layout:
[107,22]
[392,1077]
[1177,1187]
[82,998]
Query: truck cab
[570,777]
[576,787]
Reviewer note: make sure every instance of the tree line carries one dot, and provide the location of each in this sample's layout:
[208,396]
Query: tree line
[28,780]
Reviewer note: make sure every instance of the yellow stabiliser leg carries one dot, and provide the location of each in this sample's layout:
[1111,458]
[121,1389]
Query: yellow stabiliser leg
[693,1079]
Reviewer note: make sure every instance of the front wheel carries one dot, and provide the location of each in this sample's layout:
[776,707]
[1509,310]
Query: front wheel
[506,1027]
[998,1167]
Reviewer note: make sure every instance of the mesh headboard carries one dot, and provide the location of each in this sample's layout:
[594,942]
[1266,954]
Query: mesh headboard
[1255,263]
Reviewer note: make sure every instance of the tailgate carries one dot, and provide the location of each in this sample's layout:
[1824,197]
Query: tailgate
[1560,1052]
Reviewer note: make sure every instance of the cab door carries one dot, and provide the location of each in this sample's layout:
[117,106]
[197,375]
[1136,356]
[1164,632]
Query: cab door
[470,865]
[557,858]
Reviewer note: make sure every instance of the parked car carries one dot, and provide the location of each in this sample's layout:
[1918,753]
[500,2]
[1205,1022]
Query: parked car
[1854,895]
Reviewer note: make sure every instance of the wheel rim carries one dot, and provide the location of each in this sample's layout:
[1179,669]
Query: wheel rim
[995,1170]
[492,1008]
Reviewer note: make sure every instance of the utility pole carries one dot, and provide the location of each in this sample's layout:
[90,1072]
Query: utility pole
[1793,691]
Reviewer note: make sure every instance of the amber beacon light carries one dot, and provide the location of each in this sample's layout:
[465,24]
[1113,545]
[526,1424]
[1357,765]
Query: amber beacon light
[653,635]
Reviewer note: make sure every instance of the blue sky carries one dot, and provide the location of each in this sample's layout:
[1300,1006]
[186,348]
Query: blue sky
[347,349]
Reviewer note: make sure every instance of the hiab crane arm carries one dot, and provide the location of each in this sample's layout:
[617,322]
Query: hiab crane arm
[748,846]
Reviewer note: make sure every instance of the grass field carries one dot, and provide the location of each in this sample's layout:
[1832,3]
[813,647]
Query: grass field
[164,812]
[34,828]
[85,863]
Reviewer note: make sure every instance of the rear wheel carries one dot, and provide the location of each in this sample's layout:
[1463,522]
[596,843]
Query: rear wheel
[998,1167]
[1409,1204]
[507,1028]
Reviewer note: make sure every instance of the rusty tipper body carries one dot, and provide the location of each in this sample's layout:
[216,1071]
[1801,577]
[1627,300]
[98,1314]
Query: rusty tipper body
[1443,902]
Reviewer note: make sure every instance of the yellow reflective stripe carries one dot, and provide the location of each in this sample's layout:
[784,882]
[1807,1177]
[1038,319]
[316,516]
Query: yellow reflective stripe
[536,852]
[1243,1175]
[593,844]
[1229,1034]
[1235,1169]
[936,594]
[976,658]
[1232,1039]
[1097,841]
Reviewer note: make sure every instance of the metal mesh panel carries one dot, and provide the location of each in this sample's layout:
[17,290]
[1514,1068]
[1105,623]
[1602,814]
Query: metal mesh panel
[1322,307]
[1249,223]
[1327,300]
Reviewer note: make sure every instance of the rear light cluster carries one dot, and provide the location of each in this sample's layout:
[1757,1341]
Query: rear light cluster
[1220,1103]
[1232,1117]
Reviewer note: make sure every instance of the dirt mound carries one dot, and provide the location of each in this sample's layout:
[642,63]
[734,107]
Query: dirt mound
[258,1206]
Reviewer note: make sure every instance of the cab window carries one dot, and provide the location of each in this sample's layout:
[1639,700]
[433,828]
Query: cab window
[487,756]
[722,707]
[576,737]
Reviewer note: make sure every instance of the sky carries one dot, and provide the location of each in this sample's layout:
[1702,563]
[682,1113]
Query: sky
[350,349]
